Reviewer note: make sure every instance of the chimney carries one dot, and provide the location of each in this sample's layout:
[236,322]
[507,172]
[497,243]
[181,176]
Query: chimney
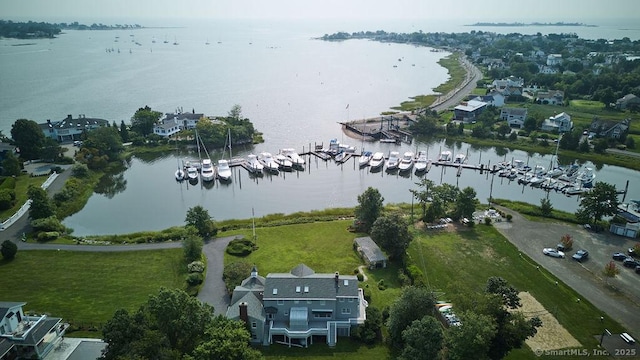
[337,276]
[69,117]
[244,314]
[254,272]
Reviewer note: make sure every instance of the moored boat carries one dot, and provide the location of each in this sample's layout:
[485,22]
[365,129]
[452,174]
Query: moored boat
[406,163]
[253,165]
[377,161]
[393,161]
[421,162]
[445,156]
[365,158]
[283,162]
[266,159]
[207,171]
[192,173]
[292,155]
[224,170]
[586,177]
[459,159]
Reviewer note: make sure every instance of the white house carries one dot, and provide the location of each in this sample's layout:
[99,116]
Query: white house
[469,111]
[27,337]
[558,123]
[554,59]
[551,97]
[515,117]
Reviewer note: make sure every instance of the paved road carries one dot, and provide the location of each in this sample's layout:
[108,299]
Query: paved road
[213,290]
[620,298]
[457,95]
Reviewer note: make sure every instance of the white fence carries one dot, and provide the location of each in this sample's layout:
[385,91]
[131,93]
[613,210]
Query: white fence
[25,207]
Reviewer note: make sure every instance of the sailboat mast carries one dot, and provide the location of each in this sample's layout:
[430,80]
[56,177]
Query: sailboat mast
[198,145]
[230,144]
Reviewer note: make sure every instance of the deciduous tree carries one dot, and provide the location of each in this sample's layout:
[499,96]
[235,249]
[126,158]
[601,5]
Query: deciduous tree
[369,208]
[392,234]
[41,205]
[8,249]
[413,304]
[10,165]
[466,203]
[199,218]
[472,339]
[601,201]
[28,137]
[144,119]
[423,339]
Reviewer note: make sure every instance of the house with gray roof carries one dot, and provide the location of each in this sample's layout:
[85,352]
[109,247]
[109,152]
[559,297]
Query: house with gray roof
[469,111]
[551,97]
[370,252]
[515,117]
[70,129]
[559,123]
[298,307]
[27,337]
[628,101]
[608,128]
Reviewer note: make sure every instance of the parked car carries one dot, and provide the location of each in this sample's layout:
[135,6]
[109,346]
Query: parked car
[631,262]
[560,247]
[553,252]
[580,255]
[638,269]
[619,256]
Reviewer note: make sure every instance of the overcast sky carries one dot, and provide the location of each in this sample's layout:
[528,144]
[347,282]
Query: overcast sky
[475,10]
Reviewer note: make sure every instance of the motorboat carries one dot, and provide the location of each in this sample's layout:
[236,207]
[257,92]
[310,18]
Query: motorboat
[207,172]
[269,164]
[293,156]
[283,162]
[180,174]
[536,180]
[539,171]
[365,158]
[224,170]
[253,165]
[406,163]
[555,172]
[445,156]
[586,177]
[421,162]
[376,162]
[459,159]
[341,157]
[393,161]
[192,173]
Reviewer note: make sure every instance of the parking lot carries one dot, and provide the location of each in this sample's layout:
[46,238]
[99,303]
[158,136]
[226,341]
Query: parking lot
[619,297]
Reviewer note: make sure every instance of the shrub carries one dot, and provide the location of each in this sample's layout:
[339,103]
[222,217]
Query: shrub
[8,249]
[234,273]
[194,279]
[416,275]
[382,285]
[50,223]
[8,183]
[567,241]
[360,277]
[192,247]
[48,235]
[7,197]
[80,171]
[196,267]
[509,217]
[487,221]
[367,294]
[240,247]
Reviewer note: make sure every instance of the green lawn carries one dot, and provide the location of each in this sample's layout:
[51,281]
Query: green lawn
[459,264]
[86,288]
[22,184]
[345,349]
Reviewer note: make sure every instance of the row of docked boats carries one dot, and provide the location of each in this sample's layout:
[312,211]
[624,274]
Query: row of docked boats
[193,170]
[408,161]
[569,180]
[285,160]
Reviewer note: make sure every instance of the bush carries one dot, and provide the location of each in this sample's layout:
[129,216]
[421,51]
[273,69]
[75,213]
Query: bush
[50,223]
[382,285]
[7,197]
[240,247]
[509,217]
[234,273]
[196,267]
[192,247]
[8,183]
[487,221]
[194,279]
[367,294]
[360,277]
[8,249]
[416,275]
[48,235]
[80,171]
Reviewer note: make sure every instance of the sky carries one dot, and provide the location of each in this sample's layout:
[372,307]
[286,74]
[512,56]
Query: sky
[472,10]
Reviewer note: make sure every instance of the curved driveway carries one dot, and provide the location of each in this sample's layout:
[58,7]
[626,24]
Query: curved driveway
[619,297]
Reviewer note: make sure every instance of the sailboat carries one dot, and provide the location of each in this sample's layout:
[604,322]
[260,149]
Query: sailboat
[224,170]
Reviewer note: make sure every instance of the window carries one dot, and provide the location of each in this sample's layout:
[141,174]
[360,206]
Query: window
[280,302]
[254,325]
[346,311]
[306,289]
[275,291]
[297,289]
[346,282]
[270,316]
[322,315]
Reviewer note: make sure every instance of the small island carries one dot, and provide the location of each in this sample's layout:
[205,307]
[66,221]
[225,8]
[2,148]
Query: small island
[44,30]
[560,23]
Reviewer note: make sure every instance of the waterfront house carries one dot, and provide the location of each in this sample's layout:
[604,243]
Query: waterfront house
[515,117]
[628,101]
[609,129]
[298,307]
[551,97]
[70,129]
[493,98]
[469,111]
[558,123]
[370,252]
[27,337]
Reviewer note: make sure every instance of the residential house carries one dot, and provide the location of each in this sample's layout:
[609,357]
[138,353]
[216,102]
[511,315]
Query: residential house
[469,111]
[370,252]
[173,123]
[166,128]
[298,307]
[628,101]
[6,149]
[554,59]
[544,69]
[70,129]
[551,97]
[515,117]
[27,337]
[558,123]
[609,129]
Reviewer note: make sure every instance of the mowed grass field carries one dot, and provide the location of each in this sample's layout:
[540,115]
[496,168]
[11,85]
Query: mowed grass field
[88,287]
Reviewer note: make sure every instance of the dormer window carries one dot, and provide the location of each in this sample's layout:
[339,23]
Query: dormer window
[306,289]
[346,282]
[275,291]
[297,289]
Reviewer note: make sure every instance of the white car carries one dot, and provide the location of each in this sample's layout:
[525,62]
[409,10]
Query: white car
[553,252]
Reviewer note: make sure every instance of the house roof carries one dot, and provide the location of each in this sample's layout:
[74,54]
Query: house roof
[515,111]
[71,123]
[626,98]
[303,283]
[5,346]
[40,330]
[471,105]
[370,249]
[183,116]
[6,306]
[255,308]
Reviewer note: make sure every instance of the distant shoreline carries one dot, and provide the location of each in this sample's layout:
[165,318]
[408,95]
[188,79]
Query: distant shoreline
[517,24]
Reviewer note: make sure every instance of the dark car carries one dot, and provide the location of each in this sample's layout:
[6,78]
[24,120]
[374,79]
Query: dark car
[630,262]
[580,255]
[560,247]
[619,256]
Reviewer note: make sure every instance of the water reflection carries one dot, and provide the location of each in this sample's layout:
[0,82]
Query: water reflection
[111,184]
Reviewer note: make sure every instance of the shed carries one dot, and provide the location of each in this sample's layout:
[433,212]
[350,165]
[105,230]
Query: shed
[370,252]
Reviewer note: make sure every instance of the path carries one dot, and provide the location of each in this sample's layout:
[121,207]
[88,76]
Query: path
[213,290]
[531,237]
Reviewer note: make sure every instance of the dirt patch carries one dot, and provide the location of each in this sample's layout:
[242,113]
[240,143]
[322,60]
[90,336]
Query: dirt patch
[551,335]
